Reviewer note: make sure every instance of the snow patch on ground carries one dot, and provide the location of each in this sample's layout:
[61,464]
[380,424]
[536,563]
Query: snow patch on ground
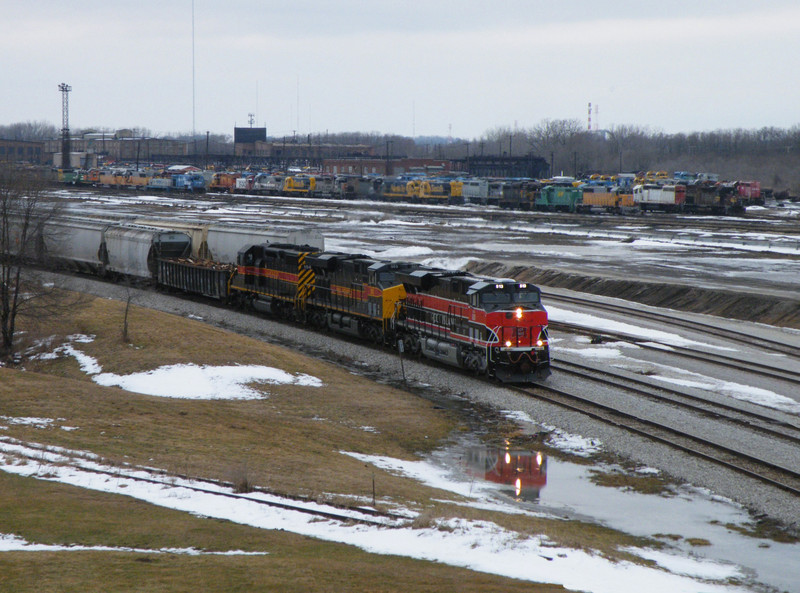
[601,324]
[188,381]
[13,543]
[191,381]
[478,545]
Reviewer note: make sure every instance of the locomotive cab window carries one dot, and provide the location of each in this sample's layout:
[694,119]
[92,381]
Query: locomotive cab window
[492,301]
[385,279]
[527,297]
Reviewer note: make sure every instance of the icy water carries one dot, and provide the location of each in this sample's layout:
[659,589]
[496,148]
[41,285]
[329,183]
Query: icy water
[689,521]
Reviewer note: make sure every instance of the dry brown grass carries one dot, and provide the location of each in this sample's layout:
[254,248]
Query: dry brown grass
[290,441]
[54,513]
[642,483]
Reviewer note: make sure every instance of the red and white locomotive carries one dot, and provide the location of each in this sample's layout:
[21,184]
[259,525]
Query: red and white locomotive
[487,325]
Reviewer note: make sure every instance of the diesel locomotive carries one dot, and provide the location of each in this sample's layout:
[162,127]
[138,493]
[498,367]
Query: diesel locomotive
[490,326]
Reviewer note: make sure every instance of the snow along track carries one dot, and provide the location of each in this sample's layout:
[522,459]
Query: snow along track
[773,474]
[86,463]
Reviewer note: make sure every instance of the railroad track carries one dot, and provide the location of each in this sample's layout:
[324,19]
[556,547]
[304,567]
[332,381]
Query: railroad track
[655,221]
[362,515]
[767,344]
[742,462]
[730,362]
[769,425]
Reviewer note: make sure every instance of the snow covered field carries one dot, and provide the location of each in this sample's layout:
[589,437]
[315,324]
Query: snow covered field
[478,545]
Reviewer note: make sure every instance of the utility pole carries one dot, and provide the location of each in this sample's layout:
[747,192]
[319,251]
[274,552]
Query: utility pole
[66,163]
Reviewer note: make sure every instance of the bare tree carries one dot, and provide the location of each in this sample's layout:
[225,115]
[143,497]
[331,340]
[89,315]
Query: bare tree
[23,215]
[30,130]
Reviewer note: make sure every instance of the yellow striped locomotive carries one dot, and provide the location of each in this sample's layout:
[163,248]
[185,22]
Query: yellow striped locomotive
[496,327]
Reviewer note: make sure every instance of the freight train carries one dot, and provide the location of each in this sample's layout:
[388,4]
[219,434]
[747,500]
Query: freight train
[490,326]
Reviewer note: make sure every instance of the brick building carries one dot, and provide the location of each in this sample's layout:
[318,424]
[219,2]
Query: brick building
[22,151]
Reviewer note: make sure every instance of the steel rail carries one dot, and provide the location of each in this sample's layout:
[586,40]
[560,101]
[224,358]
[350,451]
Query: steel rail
[645,428]
[686,352]
[708,328]
[695,403]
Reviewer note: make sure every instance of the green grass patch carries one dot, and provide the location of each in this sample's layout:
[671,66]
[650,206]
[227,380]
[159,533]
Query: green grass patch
[642,483]
[765,528]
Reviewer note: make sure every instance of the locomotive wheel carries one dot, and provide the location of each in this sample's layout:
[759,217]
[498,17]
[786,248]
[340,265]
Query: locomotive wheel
[374,333]
[317,319]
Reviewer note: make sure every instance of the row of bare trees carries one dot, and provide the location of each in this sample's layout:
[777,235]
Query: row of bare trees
[768,154]
[23,215]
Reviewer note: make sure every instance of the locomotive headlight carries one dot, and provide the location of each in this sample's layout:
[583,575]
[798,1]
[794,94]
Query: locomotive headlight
[508,343]
[539,343]
[519,312]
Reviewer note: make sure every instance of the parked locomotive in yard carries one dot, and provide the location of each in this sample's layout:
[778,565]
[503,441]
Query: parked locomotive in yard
[491,326]
[623,193]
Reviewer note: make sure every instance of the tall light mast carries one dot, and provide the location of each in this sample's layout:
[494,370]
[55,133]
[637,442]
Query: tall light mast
[66,163]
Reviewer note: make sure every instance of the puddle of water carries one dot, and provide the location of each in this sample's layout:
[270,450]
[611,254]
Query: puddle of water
[529,480]
[520,474]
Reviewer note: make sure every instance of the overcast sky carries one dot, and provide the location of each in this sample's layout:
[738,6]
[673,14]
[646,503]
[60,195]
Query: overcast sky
[433,67]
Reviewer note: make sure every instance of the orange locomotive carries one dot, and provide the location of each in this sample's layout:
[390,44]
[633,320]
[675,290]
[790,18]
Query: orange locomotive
[496,327]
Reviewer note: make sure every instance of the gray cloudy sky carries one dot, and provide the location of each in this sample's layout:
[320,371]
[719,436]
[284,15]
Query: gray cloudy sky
[410,66]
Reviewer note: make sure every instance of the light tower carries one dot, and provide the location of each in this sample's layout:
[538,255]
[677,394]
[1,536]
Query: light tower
[66,164]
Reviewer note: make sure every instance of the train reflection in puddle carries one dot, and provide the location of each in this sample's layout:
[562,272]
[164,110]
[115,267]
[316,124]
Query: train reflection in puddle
[525,471]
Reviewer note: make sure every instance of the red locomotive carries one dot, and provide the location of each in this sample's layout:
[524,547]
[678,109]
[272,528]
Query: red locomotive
[488,325]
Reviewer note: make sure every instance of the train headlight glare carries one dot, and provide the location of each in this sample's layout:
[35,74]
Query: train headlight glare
[540,343]
[519,312]
[508,343]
